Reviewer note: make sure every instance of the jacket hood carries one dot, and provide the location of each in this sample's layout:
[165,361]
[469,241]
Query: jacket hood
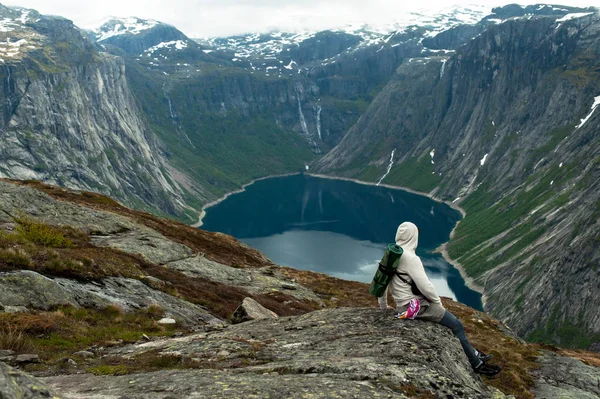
[407,236]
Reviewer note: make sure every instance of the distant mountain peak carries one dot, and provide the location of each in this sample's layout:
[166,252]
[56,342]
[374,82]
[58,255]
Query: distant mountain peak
[121,26]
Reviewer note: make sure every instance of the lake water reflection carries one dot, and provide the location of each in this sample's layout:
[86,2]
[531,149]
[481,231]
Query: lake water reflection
[338,227]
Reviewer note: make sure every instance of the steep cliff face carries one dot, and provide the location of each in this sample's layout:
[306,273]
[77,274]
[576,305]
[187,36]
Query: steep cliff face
[505,127]
[69,118]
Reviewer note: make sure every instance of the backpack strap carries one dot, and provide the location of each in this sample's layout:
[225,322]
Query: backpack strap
[413,286]
[405,281]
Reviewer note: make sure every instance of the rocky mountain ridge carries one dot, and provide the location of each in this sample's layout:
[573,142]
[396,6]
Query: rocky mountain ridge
[162,294]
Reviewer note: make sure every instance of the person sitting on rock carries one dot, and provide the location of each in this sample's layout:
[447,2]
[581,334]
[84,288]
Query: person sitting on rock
[415,297]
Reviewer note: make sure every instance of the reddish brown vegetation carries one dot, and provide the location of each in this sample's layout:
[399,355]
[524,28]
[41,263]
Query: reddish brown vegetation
[216,246]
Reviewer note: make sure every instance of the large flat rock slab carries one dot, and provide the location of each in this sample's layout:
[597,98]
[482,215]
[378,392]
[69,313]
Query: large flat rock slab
[194,384]
[33,291]
[343,353]
[254,281]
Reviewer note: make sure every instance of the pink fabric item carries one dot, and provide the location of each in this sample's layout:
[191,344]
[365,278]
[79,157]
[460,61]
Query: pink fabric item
[413,310]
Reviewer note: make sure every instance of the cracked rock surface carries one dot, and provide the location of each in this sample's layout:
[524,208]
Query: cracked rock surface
[346,353]
[31,290]
[566,378]
[16,384]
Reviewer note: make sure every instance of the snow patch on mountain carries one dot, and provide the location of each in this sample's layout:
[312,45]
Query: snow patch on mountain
[594,106]
[175,44]
[389,168]
[275,45]
[8,24]
[16,38]
[576,15]
[116,27]
[482,162]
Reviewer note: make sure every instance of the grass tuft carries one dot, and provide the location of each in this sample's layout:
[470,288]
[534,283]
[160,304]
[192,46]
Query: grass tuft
[15,257]
[41,234]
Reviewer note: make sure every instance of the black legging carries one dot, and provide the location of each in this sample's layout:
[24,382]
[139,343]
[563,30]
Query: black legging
[450,321]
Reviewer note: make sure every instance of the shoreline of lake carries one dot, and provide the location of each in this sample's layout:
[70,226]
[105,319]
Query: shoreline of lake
[202,213]
[442,249]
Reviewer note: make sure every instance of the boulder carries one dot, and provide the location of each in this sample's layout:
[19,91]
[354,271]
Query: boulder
[15,384]
[28,358]
[31,290]
[251,310]
[167,320]
[7,355]
[13,309]
[566,378]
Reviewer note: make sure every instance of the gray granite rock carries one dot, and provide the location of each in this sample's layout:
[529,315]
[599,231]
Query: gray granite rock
[31,289]
[251,310]
[7,355]
[566,378]
[27,358]
[334,353]
[15,384]
[109,229]
[255,281]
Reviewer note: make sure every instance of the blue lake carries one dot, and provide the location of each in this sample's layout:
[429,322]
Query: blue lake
[338,227]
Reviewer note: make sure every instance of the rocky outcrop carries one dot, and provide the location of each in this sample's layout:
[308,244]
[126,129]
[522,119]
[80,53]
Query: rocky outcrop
[106,229]
[30,290]
[348,353]
[257,281]
[134,35]
[321,46]
[565,377]
[15,384]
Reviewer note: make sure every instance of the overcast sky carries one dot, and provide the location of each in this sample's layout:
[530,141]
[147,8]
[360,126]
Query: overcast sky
[199,18]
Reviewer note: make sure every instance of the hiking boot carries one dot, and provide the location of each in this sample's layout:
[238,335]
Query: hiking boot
[484,357]
[487,369]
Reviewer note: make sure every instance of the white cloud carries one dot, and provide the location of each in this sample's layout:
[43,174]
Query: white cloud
[199,18]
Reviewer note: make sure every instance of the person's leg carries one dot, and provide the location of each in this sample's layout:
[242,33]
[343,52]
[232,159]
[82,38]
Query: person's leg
[450,321]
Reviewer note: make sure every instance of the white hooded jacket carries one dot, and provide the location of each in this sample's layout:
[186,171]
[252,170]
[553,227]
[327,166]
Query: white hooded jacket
[407,237]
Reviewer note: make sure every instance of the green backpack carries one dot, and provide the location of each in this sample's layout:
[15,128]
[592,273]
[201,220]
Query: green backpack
[386,270]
